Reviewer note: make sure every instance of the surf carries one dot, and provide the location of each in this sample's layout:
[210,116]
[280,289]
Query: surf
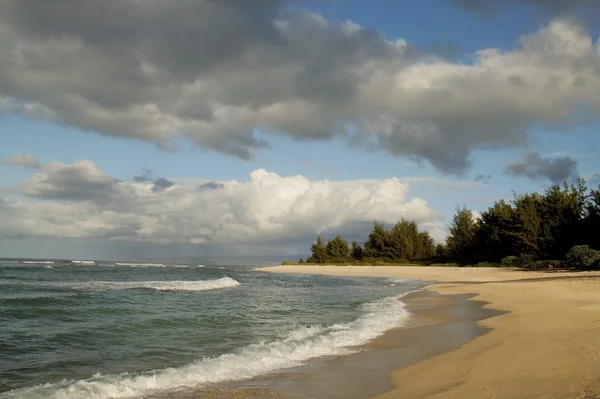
[293,349]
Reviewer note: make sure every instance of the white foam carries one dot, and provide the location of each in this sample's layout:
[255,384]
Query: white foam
[38,262]
[248,362]
[185,286]
[140,264]
[83,262]
[201,285]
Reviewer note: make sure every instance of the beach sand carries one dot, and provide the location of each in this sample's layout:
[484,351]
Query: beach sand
[545,345]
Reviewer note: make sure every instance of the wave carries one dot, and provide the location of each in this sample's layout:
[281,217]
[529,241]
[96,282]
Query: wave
[299,346]
[140,264]
[182,286]
[189,286]
[83,262]
[38,262]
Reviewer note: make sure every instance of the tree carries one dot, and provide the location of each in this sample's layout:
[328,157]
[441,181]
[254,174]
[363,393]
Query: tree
[319,252]
[356,252]
[462,234]
[495,233]
[337,248]
[378,242]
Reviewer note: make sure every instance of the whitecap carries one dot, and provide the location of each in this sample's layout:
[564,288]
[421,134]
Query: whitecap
[258,359]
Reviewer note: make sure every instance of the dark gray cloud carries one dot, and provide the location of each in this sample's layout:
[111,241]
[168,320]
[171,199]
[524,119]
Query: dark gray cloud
[552,6]
[211,185]
[81,181]
[218,72]
[159,184]
[483,178]
[556,169]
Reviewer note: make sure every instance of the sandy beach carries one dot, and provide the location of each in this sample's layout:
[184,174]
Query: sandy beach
[546,345]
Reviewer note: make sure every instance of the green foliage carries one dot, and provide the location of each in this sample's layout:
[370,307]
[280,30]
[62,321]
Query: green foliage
[510,261]
[583,257]
[546,264]
[287,262]
[462,234]
[319,252]
[356,253]
[338,248]
[525,260]
[300,261]
[533,230]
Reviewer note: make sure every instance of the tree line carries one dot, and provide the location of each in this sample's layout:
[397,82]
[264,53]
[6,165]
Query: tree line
[556,228]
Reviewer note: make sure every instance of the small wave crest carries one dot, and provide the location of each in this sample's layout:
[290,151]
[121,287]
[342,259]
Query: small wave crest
[38,262]
[83,262]
[294,349]
[182,286]
[140,264]
[201,285]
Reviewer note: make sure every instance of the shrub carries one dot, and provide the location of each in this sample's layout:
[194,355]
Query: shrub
[525,260]
[583,257]
[486,264]
[287,262]
[510,261]
[546,264]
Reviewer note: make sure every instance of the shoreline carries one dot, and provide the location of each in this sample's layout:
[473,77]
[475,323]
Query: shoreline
[546,343]
[439,323]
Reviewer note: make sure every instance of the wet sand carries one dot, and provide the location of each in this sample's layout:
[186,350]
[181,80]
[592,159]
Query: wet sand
[543,343]
[438,324]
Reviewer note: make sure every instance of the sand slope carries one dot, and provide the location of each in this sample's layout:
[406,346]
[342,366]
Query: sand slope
[547,346]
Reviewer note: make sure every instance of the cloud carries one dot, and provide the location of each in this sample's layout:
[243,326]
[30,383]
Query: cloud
[249,70]
[159,184]
[552,6]
[556,169]
[81,181]
[79,201]
[483,178]
[24,160]
[594,181]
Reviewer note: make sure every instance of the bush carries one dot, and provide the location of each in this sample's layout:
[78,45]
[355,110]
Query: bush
[547,264]
[287,262]
[525,260]
[510,261]
[583,257]
[486,264]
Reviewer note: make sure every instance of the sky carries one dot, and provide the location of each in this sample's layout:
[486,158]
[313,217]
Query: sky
[187,128]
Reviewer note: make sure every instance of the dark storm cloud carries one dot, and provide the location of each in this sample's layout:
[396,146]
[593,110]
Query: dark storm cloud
[218,72]
[533,166]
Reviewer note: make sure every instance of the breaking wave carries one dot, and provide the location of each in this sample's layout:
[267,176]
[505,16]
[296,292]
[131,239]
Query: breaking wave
[201,285]
[140,264]
[294,349]
[182,286]
[38,262]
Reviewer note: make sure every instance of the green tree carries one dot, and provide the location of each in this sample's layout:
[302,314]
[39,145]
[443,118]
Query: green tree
[495,238]
[378,242]
[319,252]
[337,248]
[356,252]
[462,234]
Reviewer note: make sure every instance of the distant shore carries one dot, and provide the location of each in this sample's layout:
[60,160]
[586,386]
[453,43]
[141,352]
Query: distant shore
[546,346]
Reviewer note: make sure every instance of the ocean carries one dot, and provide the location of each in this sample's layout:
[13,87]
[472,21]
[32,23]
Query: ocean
[93,330]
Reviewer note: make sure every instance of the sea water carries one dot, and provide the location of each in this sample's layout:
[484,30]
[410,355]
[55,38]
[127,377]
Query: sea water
[99,330]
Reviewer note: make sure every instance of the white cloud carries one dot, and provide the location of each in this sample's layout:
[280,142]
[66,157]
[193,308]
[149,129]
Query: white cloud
[78,200]
[23,160]
[121,69]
